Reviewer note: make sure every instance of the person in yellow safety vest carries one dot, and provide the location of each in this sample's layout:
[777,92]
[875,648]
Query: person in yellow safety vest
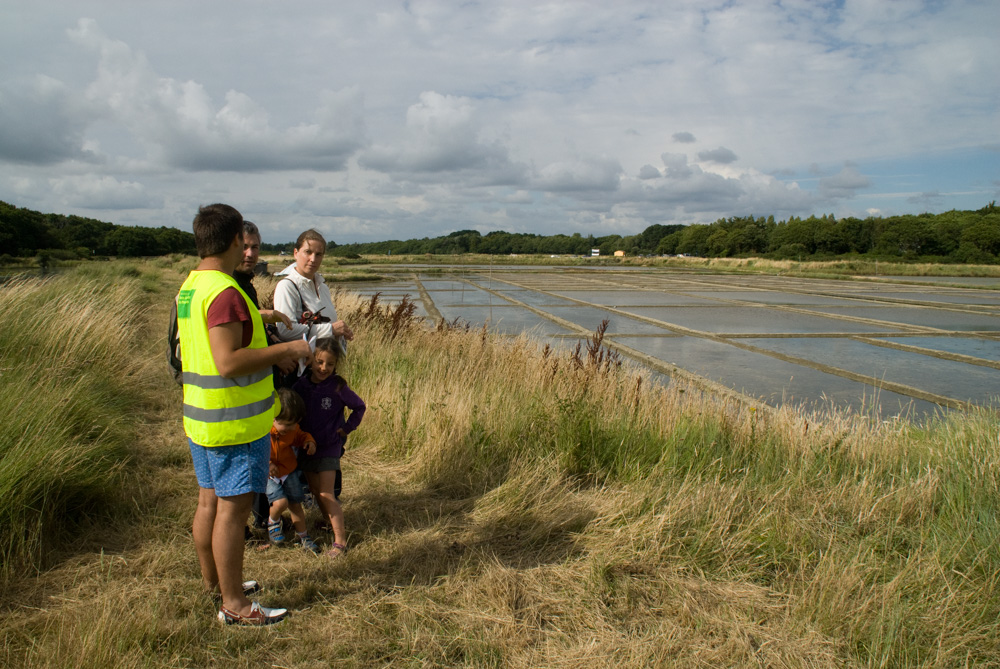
[229,406]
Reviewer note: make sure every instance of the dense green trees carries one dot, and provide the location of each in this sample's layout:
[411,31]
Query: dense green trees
[24,232]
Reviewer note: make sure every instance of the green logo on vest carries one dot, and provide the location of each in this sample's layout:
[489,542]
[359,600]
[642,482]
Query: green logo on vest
[184,303]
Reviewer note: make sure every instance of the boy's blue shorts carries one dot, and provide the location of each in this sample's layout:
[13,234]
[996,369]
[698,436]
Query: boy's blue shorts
[232,470]
[290,488]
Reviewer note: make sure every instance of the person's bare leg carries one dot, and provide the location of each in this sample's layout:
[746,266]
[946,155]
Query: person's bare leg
[227,545]
[298,517]
[201,529]
[277,509]
[313,479]
[336,519]
[331,506]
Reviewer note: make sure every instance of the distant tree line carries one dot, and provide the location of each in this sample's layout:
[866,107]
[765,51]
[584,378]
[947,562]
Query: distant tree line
[25,233]
[954,236]
[276,249]
[287,247]
[505,243]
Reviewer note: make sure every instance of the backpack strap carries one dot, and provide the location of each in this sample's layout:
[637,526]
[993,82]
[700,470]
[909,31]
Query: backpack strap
[174,347]
[302,305]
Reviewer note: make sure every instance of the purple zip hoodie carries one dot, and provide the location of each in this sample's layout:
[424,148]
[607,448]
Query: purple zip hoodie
[325,405]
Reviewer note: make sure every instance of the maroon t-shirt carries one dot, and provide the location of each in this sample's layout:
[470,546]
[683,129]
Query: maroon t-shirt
[230,307]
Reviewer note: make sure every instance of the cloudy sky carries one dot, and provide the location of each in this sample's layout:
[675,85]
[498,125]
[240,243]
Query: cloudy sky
[393,120]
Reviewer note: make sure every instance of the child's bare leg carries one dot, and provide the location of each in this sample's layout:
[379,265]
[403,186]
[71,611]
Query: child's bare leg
[278,508]
[337,520]
[331,507]
[298,517]
[313,479]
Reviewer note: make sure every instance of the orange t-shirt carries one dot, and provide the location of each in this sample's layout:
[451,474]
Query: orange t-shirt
[283,447]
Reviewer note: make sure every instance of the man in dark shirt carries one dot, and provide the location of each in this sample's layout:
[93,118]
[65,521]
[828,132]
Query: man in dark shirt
[244,277]
[251,253]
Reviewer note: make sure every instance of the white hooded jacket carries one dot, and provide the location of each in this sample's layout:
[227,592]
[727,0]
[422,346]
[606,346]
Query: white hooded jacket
[309,296]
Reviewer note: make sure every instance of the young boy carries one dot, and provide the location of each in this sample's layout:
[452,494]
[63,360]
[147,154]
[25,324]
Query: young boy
[284,484]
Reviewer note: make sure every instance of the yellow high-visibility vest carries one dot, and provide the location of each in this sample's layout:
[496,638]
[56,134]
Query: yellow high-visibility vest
[220,411]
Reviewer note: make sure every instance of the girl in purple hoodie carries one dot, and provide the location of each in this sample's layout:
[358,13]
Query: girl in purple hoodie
[326,396]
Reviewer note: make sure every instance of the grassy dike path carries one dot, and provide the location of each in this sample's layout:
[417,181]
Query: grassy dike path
[506,506]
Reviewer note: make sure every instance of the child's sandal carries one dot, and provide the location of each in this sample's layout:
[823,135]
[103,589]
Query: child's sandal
[275,533]
[337,550]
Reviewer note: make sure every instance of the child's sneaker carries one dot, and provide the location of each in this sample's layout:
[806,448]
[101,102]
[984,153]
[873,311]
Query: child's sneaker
[310,545]
[274,532]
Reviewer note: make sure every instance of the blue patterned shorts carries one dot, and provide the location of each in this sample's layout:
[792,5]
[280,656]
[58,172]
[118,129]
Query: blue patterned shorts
[232,470]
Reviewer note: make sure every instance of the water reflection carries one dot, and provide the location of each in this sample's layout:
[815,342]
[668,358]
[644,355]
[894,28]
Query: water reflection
[820,343]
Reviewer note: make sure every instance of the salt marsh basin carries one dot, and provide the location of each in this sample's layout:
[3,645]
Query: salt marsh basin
[884,346]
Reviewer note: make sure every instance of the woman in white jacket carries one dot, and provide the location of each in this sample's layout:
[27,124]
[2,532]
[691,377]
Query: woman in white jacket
[303,289]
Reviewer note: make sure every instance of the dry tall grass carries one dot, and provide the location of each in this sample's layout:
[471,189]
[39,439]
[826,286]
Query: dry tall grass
[513,507]
[70,369]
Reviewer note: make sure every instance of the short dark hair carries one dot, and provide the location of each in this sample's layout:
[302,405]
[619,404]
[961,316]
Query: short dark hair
[293,409]
[332,346]
[311,234]
[215,226]
[250,229]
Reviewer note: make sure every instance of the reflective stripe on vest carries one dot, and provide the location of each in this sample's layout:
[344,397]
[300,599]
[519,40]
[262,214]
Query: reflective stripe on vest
[216,382]
[220,411]
[230,413]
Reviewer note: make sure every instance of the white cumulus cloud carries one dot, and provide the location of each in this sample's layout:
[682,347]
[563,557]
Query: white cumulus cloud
[179,123]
